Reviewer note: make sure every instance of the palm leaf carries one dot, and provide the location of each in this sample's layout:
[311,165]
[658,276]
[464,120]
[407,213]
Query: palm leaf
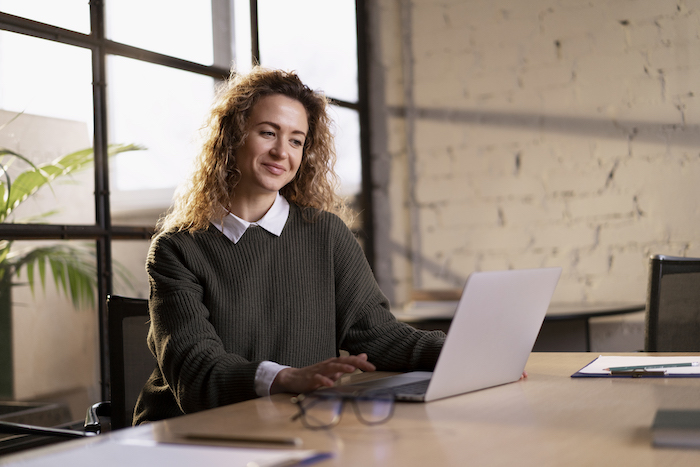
[29,182]
[30,276]
[7,185]
[3,194]
[42,275]
[58,272]
[5,266]
[73,270]
[26,184]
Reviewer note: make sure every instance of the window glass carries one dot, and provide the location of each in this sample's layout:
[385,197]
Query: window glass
[243,59]
[45,78]
[48,88]
[316,38]
[130,277]
[347,139]
[67,14]
[161,109]
[180,28]
[56,346]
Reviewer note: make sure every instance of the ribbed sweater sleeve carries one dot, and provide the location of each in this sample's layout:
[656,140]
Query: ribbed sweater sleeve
[365,323]
[218,309]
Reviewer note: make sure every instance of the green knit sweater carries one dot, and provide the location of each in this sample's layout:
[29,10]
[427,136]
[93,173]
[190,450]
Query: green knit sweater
[218,309]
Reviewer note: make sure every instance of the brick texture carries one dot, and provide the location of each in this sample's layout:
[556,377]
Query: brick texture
[546,132]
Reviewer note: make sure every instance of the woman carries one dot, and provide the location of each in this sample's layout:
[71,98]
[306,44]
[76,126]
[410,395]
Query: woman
[255,284]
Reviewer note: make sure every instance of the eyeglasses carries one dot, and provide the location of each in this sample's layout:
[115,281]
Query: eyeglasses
[324,411]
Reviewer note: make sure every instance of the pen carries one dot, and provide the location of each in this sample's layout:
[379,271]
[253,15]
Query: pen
[638,373]
[253,439]
[647,367]
[294,462]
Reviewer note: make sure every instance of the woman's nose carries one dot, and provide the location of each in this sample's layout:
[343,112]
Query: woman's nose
[278,150]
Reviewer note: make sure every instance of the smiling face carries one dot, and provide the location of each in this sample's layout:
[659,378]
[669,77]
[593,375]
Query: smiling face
[272,152]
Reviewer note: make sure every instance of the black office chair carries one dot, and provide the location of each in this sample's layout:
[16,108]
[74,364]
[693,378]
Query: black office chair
[130,360]
[673,305]
[131,363]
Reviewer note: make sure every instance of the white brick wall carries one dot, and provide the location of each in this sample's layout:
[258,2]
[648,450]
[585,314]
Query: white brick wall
[547,132]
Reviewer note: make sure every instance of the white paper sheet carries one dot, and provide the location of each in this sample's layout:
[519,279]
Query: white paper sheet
[599,366]
[137,453]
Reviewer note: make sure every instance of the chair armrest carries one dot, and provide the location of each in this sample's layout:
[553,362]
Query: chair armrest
[92,417]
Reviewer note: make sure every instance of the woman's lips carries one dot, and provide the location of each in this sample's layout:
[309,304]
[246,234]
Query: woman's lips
[275,169]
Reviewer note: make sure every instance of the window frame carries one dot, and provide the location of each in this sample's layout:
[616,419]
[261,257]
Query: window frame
[103,232]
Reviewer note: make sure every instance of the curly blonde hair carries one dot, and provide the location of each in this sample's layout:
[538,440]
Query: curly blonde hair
[216,172]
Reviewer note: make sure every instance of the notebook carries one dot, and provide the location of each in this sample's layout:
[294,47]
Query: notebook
[494,328]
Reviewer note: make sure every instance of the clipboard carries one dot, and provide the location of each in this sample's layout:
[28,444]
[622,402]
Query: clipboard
[599,368]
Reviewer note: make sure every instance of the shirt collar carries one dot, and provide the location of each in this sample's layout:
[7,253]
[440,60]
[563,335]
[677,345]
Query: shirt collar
[273,221]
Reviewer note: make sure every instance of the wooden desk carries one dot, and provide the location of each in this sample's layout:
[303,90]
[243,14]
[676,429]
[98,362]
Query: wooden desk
[548,419]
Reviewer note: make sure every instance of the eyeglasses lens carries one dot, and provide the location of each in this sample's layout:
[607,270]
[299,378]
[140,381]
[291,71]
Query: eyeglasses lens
[321,412]
[375,410]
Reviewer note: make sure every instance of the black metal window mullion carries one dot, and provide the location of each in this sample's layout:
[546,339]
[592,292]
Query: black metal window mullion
[28,27]
[103,232]
[102,200]
[366,198]
[254,32]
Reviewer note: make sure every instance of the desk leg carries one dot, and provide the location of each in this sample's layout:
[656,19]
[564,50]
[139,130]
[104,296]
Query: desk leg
[588,335]
[569,335]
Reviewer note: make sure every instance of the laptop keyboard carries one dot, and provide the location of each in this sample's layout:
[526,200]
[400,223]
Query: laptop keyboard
[417,387]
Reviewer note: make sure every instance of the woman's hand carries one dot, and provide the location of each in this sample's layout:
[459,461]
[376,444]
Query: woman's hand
[325,373]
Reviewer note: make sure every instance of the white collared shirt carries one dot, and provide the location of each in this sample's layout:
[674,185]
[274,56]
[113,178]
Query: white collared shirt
[273,221]
[234,227]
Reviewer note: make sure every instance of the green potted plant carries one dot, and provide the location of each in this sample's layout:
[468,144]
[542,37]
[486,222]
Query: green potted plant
[73,268]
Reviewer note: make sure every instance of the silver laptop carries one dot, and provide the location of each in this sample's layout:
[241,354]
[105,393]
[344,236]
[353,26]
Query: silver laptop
[489,341]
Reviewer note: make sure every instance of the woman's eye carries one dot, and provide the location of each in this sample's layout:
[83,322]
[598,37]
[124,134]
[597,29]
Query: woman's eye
[297,143]
[267,133]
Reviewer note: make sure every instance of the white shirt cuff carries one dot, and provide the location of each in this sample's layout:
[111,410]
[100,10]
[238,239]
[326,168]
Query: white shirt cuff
[265,375]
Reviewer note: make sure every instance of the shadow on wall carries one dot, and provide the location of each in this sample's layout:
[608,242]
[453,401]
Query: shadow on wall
[452,278]
[685,135]
[676,134]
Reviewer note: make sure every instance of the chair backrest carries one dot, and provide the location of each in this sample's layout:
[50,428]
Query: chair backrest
[130,360]
[673,305]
